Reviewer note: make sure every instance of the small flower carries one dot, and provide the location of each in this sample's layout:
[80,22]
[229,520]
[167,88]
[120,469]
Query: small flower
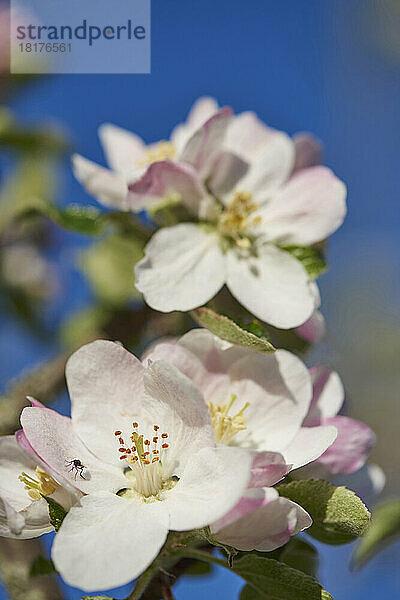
[146,440]
[259,402]
[258,201]
[256,401]
[195,143]
[23,510]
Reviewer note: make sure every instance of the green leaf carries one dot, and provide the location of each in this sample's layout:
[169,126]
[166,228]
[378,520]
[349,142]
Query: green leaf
[30,187]
[300,555]
[310,257]
[339,516]
[32,140]
[109,265]
[57,513]
[384,529]
[267,579]
[273,580]
[253,336]
[42,566]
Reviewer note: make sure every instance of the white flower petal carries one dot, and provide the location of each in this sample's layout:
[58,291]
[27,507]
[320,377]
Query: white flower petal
[309,444]
[202,110]
[178,407]
[12,462]
[278,390]
[307,209]
[204,146]
[107,541]
[227,172]
[51,435]
[265,523]
[122,149]
[183,268]
[31,522]
[213,482]
[308,151]
[109,188]
[105,383]
[272,285]
[328,394]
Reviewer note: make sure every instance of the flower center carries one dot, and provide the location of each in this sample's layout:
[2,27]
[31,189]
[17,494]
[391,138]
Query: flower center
[226,426]
[144,458]
[44,485]
[236,219]
[157,153]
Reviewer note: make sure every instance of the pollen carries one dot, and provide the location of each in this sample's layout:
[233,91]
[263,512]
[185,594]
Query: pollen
[226,426]
[237,218]
[44,485]
[157,153]
[144,458]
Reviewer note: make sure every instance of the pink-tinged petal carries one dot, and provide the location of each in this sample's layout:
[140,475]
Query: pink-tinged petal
[183,268]
[351,448]
[167,179]
[202,110]
[122,148]
[108,187]
[297,519]
[307,209]
[182,358]
[252,499]
[106,541]
[328,395]
[204,146]
[314,329]
[308,151]
[272,285]
[263,525]
[268,468]
[35,402]
[309,444]
[105,383]
[52,437]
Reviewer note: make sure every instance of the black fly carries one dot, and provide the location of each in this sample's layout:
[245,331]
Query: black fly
[76,467]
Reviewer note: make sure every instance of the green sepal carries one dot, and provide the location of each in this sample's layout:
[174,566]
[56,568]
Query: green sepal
[339,516]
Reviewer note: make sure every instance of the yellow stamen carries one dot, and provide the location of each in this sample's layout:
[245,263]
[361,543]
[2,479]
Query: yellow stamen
[236,220]
[226,426]
[44,485]
[157,153]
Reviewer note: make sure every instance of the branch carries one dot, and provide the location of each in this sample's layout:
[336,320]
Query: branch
[43,382]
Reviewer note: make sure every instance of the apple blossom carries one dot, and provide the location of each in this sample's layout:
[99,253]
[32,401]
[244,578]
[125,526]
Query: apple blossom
[23,510]
[255,206]
[146,441]
[256,401]
[128,157]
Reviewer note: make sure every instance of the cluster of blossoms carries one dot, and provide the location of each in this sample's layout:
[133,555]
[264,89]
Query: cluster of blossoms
[248,193]
[196,435]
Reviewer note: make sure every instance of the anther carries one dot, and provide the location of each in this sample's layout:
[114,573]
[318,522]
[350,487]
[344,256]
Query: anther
[122,457]
[117,433]
[121,450]
[164,446]
[156,428]
[164,435]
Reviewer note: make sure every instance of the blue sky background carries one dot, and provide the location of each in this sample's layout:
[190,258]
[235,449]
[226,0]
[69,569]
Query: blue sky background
[332,68]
